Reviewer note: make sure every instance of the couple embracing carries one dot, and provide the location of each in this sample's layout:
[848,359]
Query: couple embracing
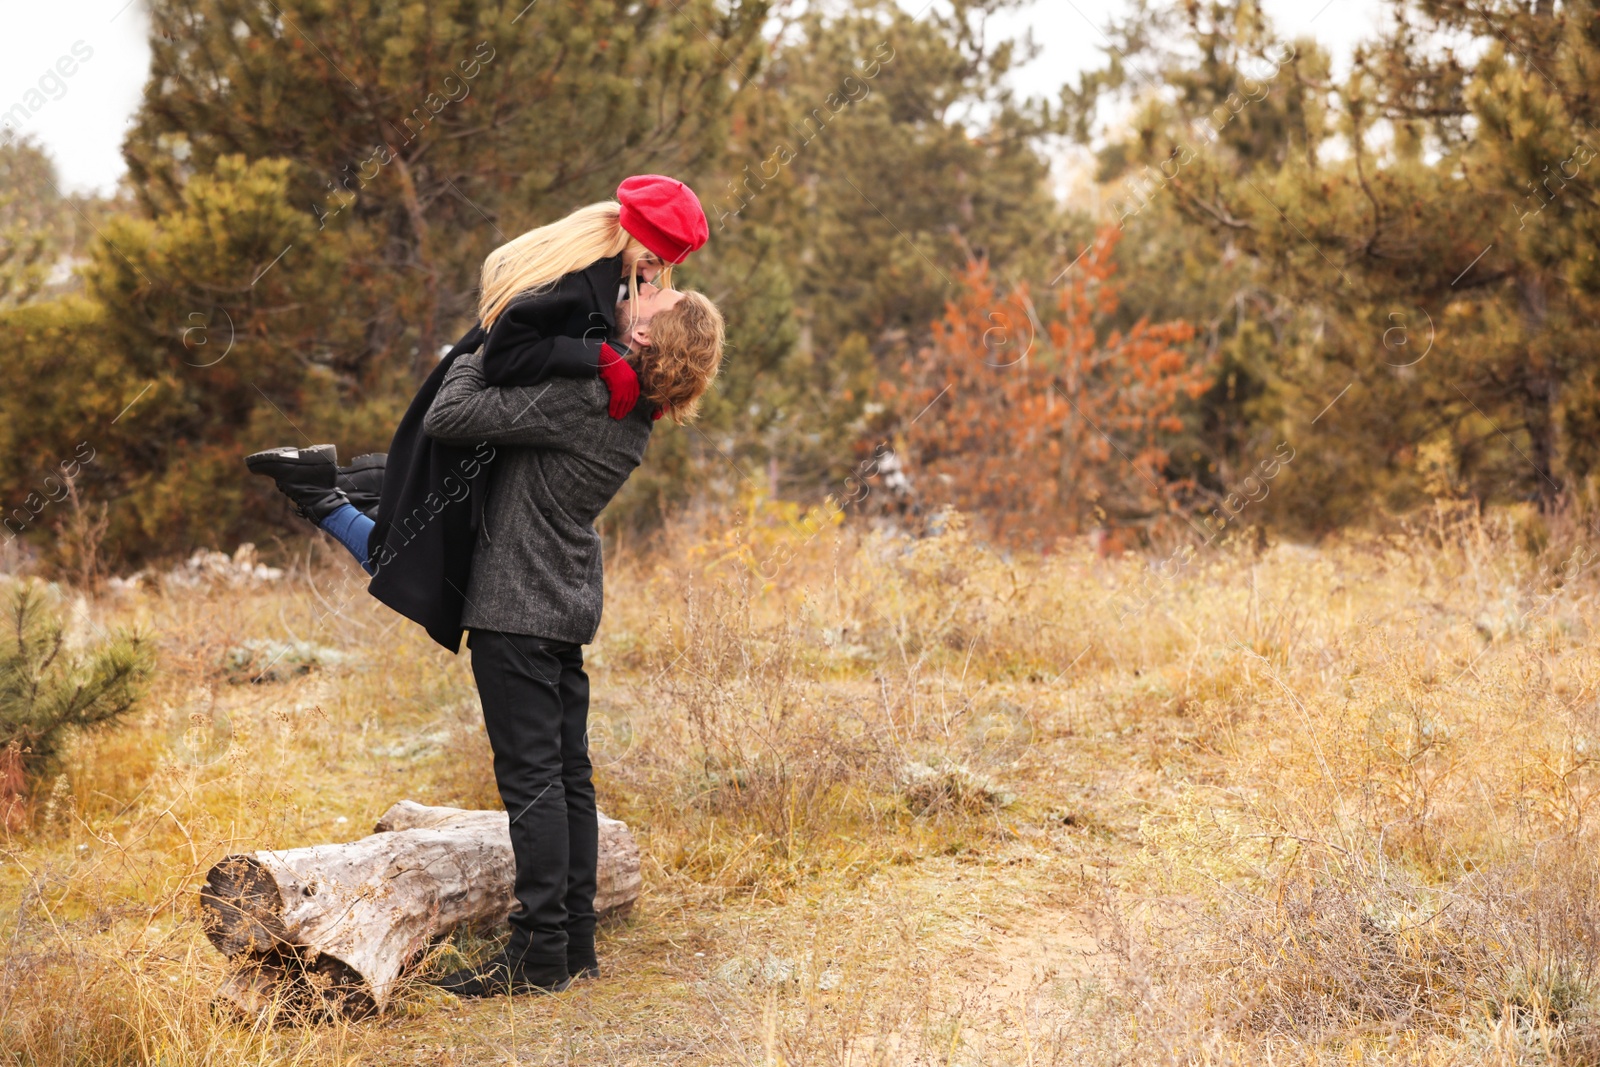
[480,517]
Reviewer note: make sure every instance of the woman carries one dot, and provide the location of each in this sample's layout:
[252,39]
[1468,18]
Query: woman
[548,307]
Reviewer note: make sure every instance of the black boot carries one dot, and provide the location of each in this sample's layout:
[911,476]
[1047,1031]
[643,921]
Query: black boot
[581,959]
[362,482]
[305,475]
[502,976]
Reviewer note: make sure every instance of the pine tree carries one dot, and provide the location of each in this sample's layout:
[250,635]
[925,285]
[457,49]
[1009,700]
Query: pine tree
[39,227]
[1432,285]
[435,132]
[873,158]
[49,689]
[189,345]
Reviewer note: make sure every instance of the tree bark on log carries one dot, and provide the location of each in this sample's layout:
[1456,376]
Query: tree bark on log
[333,927]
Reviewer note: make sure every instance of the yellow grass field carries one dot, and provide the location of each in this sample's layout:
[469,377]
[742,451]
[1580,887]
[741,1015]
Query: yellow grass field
[903,802]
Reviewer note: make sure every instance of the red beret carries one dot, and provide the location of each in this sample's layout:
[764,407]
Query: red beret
[664,215]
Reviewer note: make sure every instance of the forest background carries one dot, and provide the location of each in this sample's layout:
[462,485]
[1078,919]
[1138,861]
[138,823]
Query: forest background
[1276,299]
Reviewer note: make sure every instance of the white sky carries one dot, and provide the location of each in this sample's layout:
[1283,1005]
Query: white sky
[84,117]
[1069,31]
[83,129]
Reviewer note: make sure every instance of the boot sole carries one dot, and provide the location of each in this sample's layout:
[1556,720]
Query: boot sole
[260,462]
[504,989]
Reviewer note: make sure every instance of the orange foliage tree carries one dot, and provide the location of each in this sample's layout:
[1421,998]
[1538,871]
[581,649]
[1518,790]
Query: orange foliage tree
[1042,427]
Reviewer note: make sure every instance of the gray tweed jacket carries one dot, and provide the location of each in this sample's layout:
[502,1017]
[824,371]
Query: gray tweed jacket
[536,567]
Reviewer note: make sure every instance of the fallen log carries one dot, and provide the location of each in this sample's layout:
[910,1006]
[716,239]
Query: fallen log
[333,927]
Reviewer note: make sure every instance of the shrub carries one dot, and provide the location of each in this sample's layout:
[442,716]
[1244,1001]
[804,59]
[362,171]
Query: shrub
[48,688]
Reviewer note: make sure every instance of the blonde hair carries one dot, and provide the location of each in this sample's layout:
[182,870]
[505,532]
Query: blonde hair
[534,262]
[683,356]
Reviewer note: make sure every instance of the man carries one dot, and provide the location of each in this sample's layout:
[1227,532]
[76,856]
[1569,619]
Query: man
[532,601]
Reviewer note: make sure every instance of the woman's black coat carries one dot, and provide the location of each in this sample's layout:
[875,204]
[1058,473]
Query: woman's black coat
[432,494]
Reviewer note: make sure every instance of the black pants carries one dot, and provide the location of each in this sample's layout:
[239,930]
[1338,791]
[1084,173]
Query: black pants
[535,699]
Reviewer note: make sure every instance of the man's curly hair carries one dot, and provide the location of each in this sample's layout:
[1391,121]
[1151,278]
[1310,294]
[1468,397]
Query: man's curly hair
[683,357]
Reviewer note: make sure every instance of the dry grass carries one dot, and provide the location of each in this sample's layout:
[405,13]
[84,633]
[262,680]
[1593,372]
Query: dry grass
[908,802]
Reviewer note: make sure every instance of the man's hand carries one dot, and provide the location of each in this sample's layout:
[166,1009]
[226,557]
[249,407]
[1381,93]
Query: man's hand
[620,380]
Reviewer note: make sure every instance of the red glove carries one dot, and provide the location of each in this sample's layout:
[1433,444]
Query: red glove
[620,379]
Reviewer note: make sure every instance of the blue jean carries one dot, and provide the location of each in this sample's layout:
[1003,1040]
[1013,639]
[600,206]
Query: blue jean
[352,530]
